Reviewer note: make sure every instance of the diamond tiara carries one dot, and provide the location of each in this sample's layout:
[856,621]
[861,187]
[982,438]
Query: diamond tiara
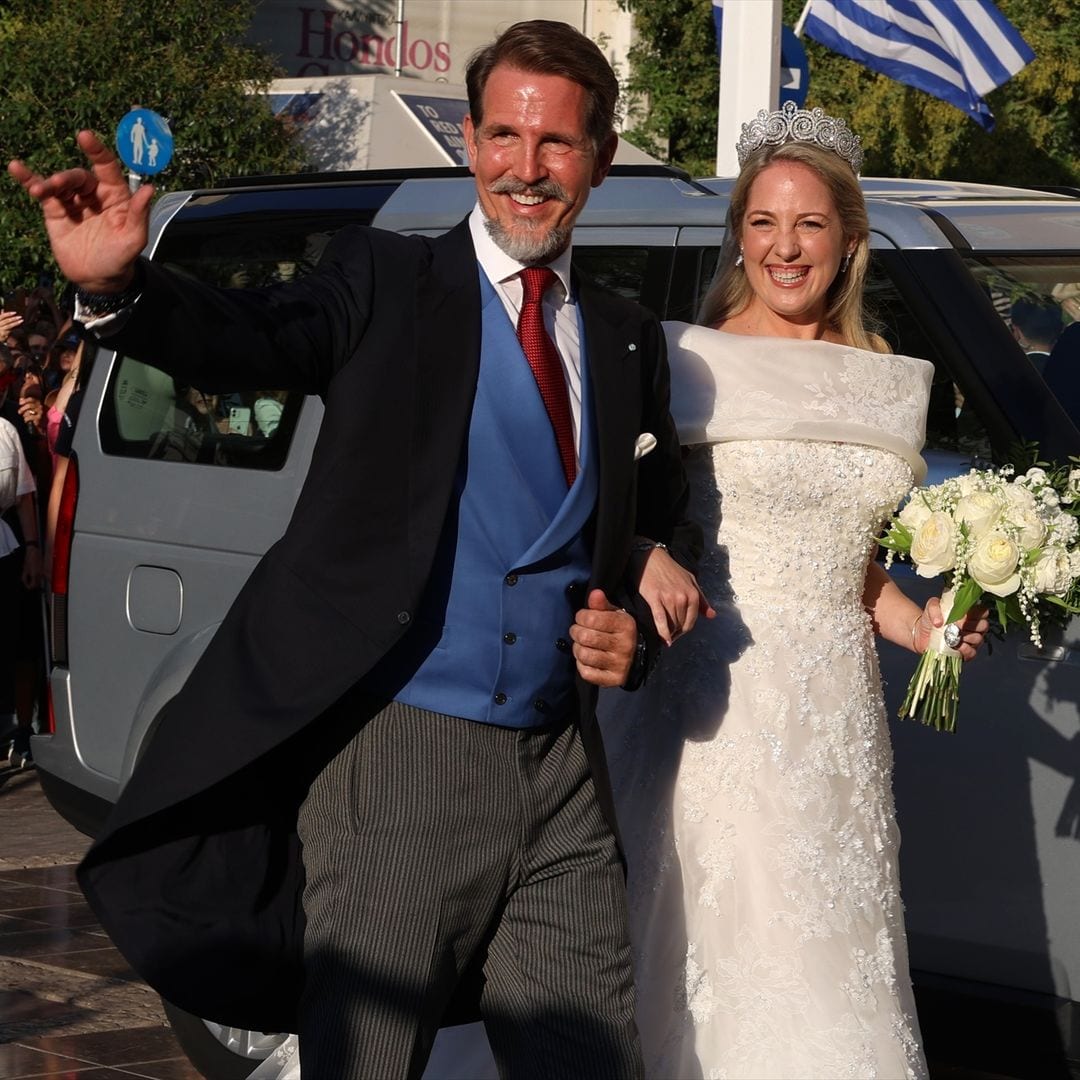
[791,124]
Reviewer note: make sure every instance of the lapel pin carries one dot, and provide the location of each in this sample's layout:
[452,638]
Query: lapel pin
[632,347]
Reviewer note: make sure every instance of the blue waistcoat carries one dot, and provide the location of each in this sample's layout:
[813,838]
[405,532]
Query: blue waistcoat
[490,640]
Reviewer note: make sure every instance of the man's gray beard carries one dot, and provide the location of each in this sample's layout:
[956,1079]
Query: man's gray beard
[526,244]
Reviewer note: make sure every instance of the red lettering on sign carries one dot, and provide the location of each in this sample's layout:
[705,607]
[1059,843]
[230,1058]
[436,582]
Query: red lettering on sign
[346,45]
[420,47]
[308,28]
[318,40]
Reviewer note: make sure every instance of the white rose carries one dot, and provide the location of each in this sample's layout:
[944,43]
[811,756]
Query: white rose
[1033,477]
[1032,529]
[915,512]
[993,564]
[933,547]
[980,511]
[1018,498]
[1054,571]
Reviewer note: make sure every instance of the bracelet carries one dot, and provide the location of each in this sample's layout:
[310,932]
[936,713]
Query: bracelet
[648,545]
[914,647]
[95,305]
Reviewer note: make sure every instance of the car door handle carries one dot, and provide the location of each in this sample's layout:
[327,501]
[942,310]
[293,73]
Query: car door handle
[1058,654]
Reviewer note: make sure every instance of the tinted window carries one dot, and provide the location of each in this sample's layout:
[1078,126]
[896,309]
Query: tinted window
[638,273]
[1038,299]
[148,414]
[621,270]
[950,426]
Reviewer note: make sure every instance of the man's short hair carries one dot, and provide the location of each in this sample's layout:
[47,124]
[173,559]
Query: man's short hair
[1039,322]
[544,47]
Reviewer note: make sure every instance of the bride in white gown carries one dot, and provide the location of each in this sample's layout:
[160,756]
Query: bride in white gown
[752,774]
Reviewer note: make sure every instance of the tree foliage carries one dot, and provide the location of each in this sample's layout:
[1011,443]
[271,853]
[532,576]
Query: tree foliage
[72,64]
[905,132]
[672,83]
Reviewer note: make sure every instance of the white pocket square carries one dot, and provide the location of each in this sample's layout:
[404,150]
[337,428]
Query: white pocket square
[644,444]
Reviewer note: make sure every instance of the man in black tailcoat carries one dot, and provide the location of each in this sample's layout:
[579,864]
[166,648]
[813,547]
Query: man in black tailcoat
[381,794]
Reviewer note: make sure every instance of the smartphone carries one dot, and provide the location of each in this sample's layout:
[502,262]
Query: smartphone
[239,420]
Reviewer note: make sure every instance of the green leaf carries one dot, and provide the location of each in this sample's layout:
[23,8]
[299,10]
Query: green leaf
[898,538]
[967,596]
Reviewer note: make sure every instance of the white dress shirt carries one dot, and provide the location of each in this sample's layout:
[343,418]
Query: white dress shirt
[560,307]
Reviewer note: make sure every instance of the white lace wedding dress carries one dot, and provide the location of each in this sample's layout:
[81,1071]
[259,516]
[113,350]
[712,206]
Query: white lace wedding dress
[753,772]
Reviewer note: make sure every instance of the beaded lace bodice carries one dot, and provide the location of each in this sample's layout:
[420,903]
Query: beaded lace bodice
[763,877]
[798,518]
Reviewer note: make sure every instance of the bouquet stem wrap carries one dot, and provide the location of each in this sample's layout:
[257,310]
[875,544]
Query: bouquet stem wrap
[933,694]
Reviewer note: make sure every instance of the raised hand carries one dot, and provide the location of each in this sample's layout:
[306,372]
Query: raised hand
[96,226]
[9,320]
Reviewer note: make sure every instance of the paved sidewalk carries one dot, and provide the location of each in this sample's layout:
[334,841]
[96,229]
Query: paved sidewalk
[69,1005]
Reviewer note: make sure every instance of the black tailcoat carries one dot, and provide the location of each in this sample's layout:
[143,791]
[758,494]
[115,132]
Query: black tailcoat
[197,876]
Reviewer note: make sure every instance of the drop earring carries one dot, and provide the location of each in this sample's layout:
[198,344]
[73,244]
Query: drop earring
[739,259]
[844,265]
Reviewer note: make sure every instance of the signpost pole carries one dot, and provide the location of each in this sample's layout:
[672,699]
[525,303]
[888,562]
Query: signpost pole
[749,72]
[400,38]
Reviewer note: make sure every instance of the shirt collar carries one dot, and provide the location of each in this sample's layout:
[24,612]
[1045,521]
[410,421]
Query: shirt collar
[499,266]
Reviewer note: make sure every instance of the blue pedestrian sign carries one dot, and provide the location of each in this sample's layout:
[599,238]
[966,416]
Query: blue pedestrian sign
[794,69]
[144,142]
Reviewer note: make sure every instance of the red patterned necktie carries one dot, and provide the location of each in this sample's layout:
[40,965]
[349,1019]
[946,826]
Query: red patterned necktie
[546,366]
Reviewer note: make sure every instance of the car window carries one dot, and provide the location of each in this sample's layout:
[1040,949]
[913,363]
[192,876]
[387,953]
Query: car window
[1038,299]
[951,429]
[637,273]
[147,414]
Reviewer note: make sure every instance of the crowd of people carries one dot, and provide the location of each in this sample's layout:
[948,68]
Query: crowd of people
[40,360]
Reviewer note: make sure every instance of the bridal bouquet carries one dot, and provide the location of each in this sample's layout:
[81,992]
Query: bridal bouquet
[1013,540]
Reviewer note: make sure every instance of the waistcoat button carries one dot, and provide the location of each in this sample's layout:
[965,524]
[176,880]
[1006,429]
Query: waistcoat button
[511,579]
[403,617]
[500,698]
[510,638]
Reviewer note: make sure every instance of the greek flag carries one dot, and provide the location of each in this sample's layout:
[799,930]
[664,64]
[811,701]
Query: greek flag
[957,50]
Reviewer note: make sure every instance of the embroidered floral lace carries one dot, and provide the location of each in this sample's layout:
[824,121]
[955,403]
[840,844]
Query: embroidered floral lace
[753,773]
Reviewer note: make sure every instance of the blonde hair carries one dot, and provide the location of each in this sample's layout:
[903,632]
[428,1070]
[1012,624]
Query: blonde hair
[730,292]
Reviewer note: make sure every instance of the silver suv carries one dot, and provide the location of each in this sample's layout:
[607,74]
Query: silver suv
[174,494]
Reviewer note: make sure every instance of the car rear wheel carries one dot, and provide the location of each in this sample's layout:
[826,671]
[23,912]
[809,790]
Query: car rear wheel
[218,1052]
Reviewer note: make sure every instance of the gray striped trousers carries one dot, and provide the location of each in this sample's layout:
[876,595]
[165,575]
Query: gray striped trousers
[434,846]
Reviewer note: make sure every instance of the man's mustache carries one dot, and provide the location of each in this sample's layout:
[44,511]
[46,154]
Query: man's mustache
[545,188]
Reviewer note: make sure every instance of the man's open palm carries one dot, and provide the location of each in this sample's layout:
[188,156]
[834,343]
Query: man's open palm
[96,226]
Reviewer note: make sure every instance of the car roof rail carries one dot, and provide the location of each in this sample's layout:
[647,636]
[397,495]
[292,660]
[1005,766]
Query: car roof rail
[1056,189]
[383,176]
